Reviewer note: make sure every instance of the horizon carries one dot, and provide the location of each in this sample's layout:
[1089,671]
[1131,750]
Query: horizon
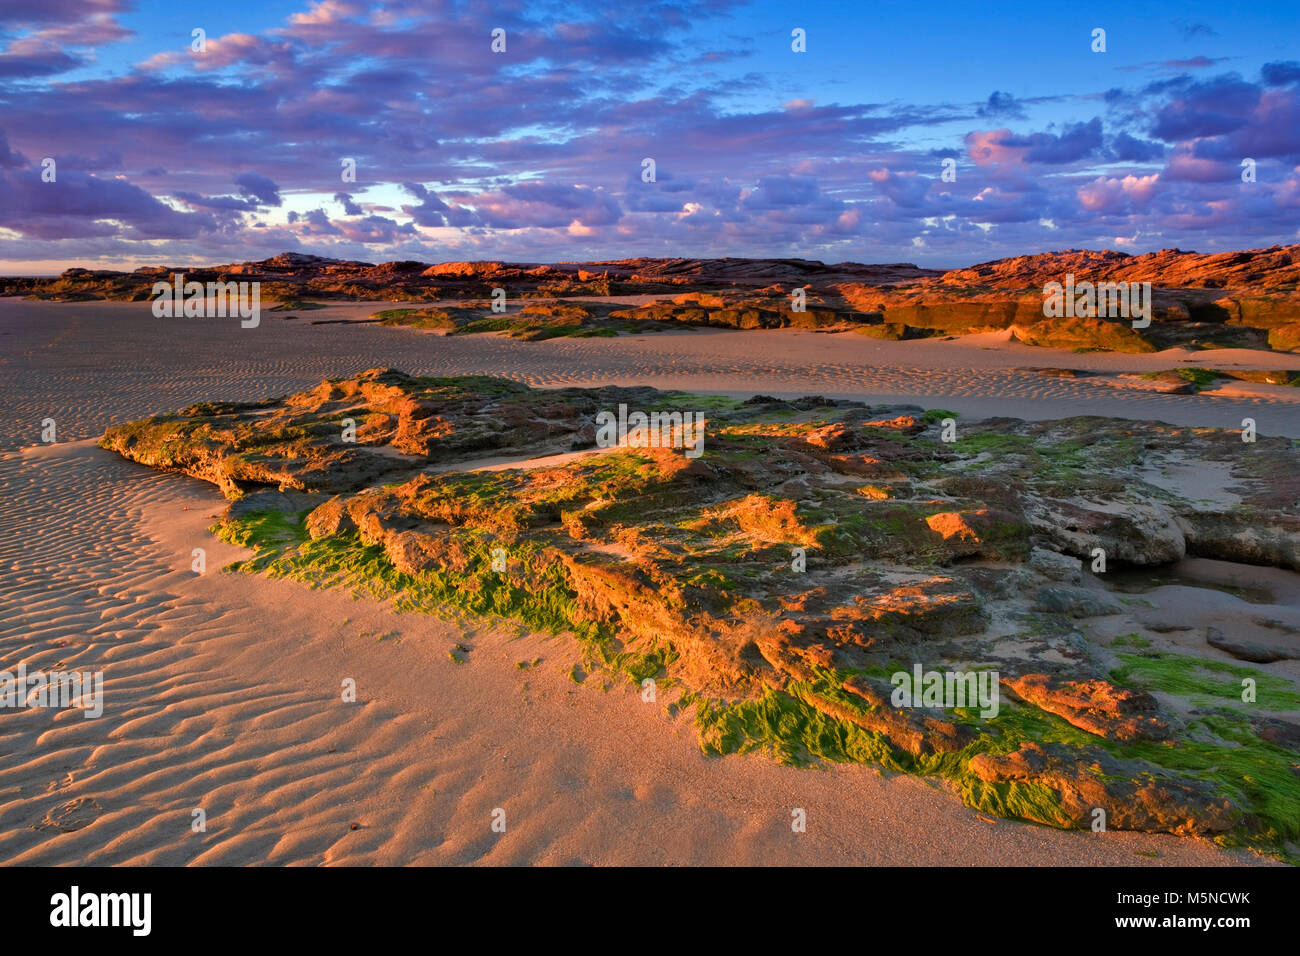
[173,266]
[162,153]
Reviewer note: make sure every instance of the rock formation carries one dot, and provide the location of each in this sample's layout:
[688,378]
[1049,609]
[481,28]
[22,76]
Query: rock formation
[780,581]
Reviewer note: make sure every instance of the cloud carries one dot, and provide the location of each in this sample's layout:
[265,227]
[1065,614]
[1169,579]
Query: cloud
[999,105]
[546,204]
[258,187]
[78,205]
[433,212]
[9,158]
[783,192]
[1185,166]
[24,13]
[1111,194]
[1191,63]
[328,12]
[29,58]
[1077,141]
[349,207]
[1211,108]
[1281,72]
[1192,30]
[537,153]
[1131,149]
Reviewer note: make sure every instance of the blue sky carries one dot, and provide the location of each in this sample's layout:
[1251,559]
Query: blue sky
[167,156]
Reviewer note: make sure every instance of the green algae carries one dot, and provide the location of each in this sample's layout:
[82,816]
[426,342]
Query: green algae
[1197,680]
[284,549]
[618,489]
[416,318]
[788,726]
[296,305]
[1199,377]
[994,443]
[1256,776]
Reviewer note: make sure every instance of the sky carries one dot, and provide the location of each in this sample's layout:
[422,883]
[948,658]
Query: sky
[126,140]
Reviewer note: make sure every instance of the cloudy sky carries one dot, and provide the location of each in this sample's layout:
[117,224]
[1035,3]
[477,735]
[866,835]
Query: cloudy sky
[167,155]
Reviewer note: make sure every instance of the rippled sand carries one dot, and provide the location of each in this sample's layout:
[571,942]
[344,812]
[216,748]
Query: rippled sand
[223,691]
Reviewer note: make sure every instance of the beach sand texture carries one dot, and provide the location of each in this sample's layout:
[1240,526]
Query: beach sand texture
[223,691]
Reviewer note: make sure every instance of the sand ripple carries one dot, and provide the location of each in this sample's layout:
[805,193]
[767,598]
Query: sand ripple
[222,691]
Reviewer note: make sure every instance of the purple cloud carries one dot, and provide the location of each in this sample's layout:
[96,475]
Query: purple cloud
[1001,105]
[1078,141]
[1280,73]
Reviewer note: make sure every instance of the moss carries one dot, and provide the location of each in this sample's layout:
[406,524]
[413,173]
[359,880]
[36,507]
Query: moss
[461,386]
[1222,750]
[296,305]
[794,731]
[638,667]
[1131,640]
[1257,776]
[416,318]
[264,531]
[1204,681]
[496,323]
[536,592]
[1200,377]
[995,443]
[696,401]
[933,415]
[791,727]
[592,541]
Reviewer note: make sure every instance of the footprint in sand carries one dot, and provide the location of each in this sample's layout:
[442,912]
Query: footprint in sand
[73,815]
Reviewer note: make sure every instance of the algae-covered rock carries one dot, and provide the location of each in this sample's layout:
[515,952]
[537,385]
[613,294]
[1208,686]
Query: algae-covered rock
[1096,706]
[1088,781]
[789,570]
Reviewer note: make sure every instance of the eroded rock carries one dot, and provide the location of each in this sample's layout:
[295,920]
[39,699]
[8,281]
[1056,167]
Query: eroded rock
[814,545]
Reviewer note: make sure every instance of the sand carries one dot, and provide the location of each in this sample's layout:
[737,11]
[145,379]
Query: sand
[223,691]
[89,365]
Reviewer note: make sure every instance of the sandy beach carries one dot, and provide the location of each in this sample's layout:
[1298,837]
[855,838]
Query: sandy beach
[92,365]
[223,690]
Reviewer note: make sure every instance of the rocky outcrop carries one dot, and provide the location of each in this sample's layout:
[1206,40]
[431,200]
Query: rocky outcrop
[816,553]
[1245,650]
[1244,299]
[1136,531]
[1090,781]
[1096,706]
[1277,267]
[1244,535]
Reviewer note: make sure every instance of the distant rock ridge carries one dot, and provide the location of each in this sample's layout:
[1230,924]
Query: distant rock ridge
[1242,299]
[1274,268]
[1255,269]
